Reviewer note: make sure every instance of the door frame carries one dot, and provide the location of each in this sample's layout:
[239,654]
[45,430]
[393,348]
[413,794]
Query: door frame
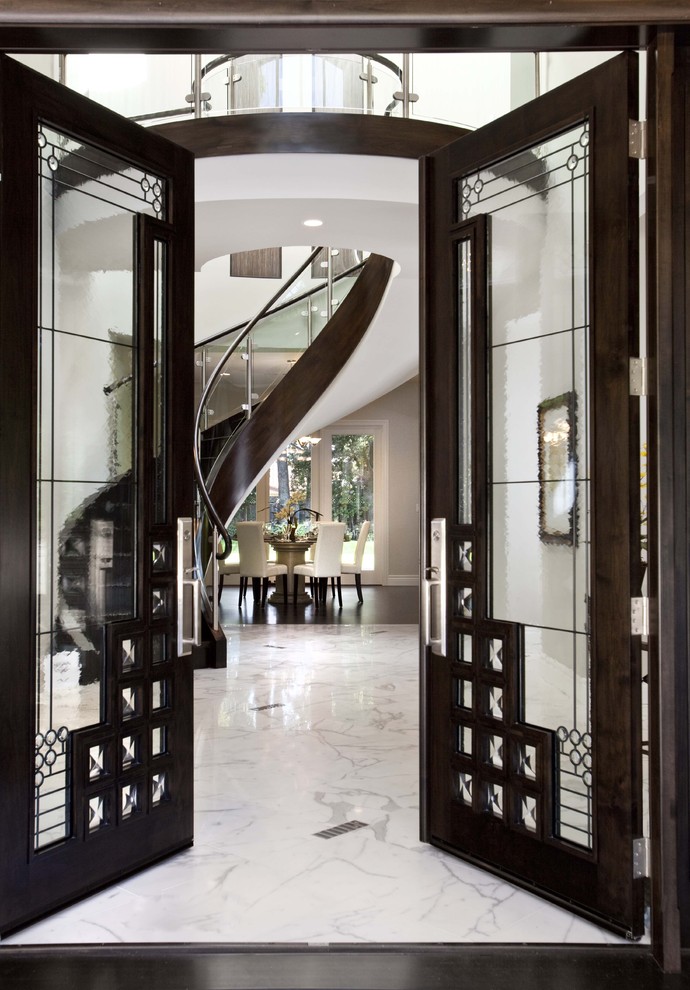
[657,25]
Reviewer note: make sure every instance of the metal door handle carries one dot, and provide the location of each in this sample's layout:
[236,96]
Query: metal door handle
[188,591]
[435,592]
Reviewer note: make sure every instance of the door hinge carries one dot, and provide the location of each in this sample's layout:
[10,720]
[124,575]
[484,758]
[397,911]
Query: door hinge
[639,376]
[640,858]
[637,138]
[639,616]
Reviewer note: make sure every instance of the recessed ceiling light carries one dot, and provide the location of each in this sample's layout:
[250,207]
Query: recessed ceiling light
[312,223]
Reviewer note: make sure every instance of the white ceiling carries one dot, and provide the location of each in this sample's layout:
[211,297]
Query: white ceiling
[366,202]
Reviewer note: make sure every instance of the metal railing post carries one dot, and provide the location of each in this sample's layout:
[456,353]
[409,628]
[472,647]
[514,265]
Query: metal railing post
[405,95]
[329,285]
[249,358]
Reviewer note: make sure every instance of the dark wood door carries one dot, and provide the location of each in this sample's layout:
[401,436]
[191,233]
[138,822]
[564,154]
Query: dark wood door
[96,346]
[532,498]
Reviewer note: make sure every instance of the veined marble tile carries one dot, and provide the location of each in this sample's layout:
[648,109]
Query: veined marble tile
[341,745]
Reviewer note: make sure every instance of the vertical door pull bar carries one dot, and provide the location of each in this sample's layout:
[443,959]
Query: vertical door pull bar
[188,601]
[435,592]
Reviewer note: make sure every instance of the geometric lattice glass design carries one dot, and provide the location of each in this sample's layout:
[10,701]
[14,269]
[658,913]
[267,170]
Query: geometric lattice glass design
[573,819]
[465,788]
[159,787]
[465,740]
[527,812]
[130,797]
[495,751]
[159,740]
[464,693]
[494,799]
[495,657]
[465,648]
[465,556]
[52,777]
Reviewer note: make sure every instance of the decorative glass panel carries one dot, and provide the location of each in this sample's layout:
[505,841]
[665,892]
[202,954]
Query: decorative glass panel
[527,761]
[465,597]
[465,339]
[159,787]
[131,703]
[465,556]
[159,740]
[52,777]
[465,788]
[465,740]
[160,603]
[160,387]
[98,812]
[97,767]
[539,358]
[464,693]
[86,429]
[160,694]
[130,799]
[130,752]
[527,812]
[494,754]
[131,654]
[494,799]
[465,648]
[495,657]
[493,701]
[159,648]
[161,556]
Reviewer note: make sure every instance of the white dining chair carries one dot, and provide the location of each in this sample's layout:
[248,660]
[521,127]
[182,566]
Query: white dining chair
[328,550]
[356,566]
[254,563]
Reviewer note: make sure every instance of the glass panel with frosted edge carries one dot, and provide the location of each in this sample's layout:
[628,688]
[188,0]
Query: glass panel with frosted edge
[465,334]
[86,429]
[540,432]
[338,83]
[352,489]
[160,382]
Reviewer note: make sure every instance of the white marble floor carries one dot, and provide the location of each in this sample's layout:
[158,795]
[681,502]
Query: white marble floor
[340,745]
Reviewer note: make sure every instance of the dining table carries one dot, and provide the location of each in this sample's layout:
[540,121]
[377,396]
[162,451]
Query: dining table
[291,553]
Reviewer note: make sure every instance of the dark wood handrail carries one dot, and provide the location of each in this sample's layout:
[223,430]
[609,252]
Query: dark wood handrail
[271,428]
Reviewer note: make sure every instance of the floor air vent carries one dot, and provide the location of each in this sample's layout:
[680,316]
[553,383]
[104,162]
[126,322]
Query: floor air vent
[265,708]
[330,833]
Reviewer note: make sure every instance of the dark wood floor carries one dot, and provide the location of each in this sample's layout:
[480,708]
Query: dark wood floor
[407,967]
[383,606]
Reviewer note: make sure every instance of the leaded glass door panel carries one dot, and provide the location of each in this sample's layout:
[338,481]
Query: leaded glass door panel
[95,334]
[531,545]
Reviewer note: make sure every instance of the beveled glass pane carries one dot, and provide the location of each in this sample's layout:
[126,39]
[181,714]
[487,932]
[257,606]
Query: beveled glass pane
[98,812]
[160,603]
[527,761]
[130,752]
[97,766]
[527,812]
[131,654]
[160,694]
[465,693]
[131,703]
[465,598]
[494,751]
[159,740]
[465,648]
[159,787]
[130,800]
[494,660]
[465,555]
[159,648]
[465,740]
[465,788]
[464,412]
[161,556]
[493,795]
[160,382]
[492,701]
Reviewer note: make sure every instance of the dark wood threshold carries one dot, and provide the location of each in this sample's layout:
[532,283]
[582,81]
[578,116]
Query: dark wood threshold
[341,967]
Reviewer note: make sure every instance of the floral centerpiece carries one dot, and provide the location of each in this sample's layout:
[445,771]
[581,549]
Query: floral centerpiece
[285,522]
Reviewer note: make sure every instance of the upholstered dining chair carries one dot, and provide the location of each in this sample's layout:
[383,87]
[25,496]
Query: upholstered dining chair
[254,563]
[328,550]
[226,568]
[356,566]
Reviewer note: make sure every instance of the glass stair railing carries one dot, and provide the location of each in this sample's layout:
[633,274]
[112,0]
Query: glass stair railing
[236,371]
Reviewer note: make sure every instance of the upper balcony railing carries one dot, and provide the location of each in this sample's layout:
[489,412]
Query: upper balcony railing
[159,88]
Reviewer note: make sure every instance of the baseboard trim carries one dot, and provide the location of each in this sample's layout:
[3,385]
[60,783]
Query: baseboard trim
[403,580]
